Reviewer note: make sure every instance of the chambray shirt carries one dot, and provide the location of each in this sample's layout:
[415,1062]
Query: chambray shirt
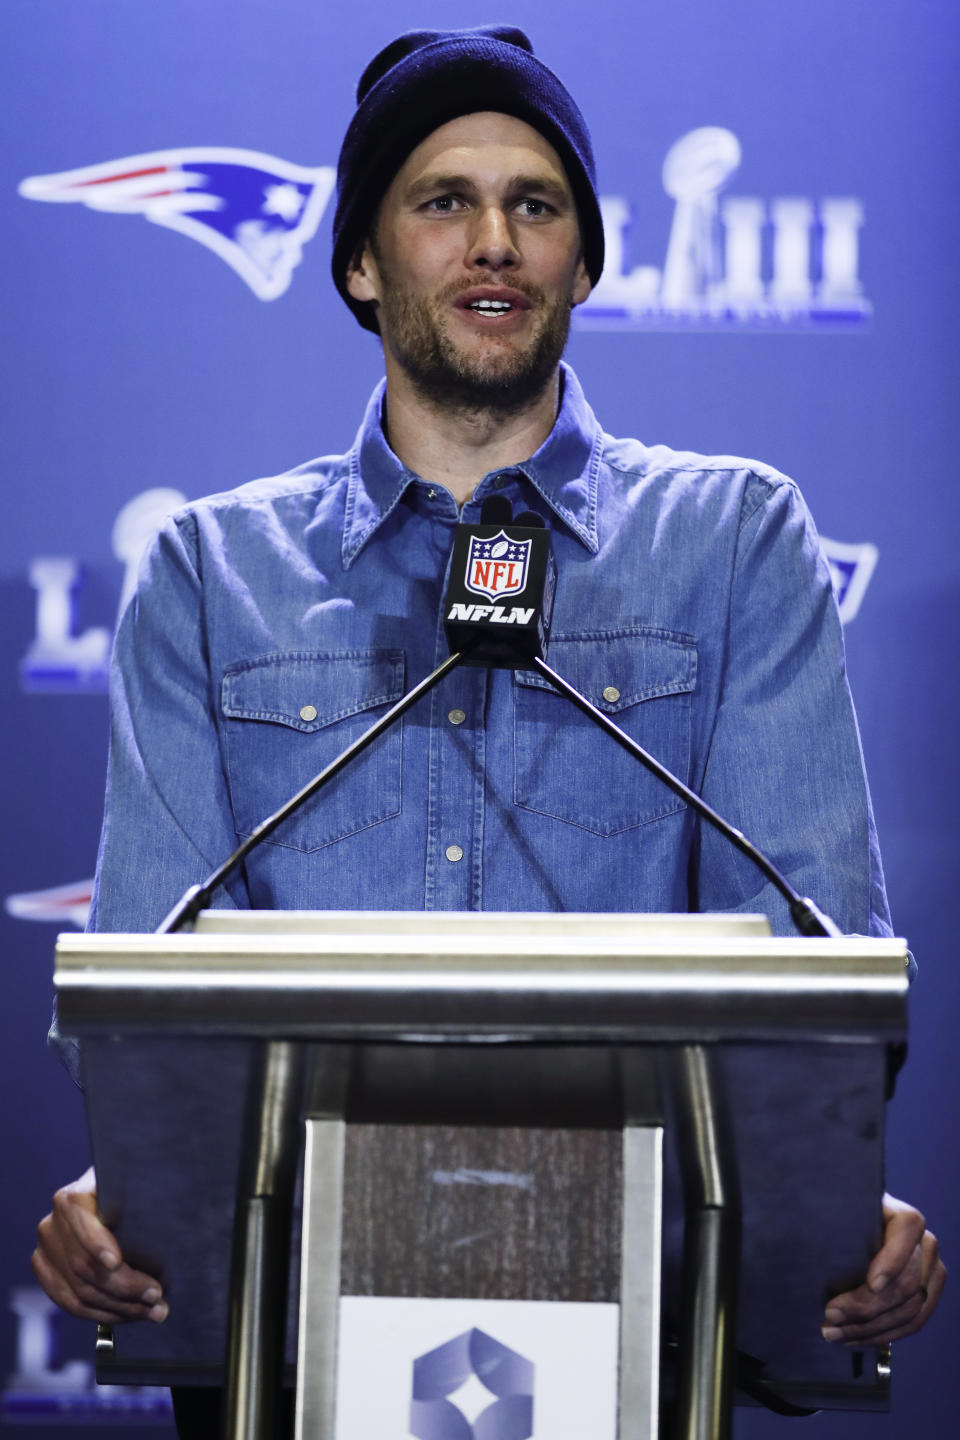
[274,623]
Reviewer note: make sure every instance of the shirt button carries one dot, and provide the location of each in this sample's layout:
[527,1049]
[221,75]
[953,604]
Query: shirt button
[500,481]
[457,717]
[453,852]
[611,693]
[308,712]
[431,494]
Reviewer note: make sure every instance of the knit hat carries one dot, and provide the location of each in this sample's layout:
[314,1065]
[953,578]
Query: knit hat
[418,83]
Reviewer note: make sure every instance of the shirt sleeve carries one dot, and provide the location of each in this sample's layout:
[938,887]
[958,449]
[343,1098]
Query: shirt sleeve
[785,763]
[167,816]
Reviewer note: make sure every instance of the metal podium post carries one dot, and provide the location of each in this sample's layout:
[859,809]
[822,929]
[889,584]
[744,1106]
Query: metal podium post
[711,1259]
[261,1243]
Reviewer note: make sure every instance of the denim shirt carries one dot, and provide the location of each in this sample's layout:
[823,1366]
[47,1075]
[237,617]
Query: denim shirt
[274,623]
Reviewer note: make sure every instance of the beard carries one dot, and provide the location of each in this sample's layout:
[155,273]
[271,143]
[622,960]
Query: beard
[502,381]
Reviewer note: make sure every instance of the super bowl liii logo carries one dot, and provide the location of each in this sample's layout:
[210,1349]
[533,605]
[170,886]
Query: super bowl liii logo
[60,658]
[740,262]
[45,1389]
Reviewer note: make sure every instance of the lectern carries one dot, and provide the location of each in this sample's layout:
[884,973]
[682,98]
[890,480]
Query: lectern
[663,1114]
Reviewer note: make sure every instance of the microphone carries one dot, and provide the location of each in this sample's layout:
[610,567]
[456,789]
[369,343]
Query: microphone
[499,597]
[496,510]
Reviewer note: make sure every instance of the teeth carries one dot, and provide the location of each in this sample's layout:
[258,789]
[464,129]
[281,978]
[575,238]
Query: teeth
[492,307]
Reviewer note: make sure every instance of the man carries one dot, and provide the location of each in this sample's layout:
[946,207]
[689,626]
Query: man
[271,624]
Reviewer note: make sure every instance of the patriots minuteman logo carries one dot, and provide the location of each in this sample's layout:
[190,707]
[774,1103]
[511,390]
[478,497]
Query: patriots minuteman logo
[497,566]
[256,212]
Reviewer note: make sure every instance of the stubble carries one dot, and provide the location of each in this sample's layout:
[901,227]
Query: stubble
[502,380]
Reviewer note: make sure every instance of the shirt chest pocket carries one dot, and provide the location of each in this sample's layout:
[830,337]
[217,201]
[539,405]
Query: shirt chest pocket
[287,716]
[566,767]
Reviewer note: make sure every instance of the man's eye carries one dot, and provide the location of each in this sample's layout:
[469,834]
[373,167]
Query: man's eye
[445,204]
[533,209]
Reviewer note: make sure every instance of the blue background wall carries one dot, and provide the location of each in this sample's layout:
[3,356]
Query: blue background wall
[135,359]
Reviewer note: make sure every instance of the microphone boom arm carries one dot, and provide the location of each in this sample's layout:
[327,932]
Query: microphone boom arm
[807,917]
[198,897]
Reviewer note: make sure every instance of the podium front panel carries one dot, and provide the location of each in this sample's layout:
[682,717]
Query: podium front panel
[522,1212]
[486,1067]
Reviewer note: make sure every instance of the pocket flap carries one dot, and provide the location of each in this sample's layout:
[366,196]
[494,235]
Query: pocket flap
[616,670]
[308,690]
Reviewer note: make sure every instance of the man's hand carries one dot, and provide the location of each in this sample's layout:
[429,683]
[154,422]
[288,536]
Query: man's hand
[79,1265]
[901,1288]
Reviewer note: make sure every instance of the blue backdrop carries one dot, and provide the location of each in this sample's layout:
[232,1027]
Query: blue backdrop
[782,218]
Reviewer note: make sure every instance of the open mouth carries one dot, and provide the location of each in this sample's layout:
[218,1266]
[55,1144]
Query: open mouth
[493,304]
[490,307]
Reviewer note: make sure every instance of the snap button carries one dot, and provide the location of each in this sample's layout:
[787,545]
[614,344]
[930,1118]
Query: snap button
[453,852]
[457,717]
[308,712]
[611,693]
[500,481]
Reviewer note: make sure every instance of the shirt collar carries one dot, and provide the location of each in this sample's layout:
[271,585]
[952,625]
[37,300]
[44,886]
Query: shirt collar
[564,471]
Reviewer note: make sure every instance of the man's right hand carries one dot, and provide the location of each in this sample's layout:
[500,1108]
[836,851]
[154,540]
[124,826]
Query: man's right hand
[79,1265]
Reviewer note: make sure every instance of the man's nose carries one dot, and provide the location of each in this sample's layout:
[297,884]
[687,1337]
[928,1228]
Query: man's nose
[492,241]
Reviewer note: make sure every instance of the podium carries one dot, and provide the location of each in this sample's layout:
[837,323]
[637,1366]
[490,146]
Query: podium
[683,1117]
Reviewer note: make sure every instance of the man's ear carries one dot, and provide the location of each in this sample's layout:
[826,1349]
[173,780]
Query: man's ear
[581,283]
[363,274]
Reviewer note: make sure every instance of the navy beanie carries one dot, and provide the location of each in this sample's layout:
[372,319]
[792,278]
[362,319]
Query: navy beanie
[419,82]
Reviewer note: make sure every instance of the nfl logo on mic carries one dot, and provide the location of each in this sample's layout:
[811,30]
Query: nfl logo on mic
[497,566]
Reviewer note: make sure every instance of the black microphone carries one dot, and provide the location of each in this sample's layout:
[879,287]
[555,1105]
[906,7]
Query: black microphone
[496,510]
[499,596]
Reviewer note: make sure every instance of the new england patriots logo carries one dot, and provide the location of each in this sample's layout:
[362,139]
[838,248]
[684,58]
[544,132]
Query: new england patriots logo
[256,212]
[851,568]
[497,566]
[60,903]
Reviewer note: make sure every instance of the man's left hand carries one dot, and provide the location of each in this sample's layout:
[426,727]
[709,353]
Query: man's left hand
[902,1286]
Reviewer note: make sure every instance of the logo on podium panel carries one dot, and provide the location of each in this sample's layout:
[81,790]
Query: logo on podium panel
[476,1369]
[472,1388]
